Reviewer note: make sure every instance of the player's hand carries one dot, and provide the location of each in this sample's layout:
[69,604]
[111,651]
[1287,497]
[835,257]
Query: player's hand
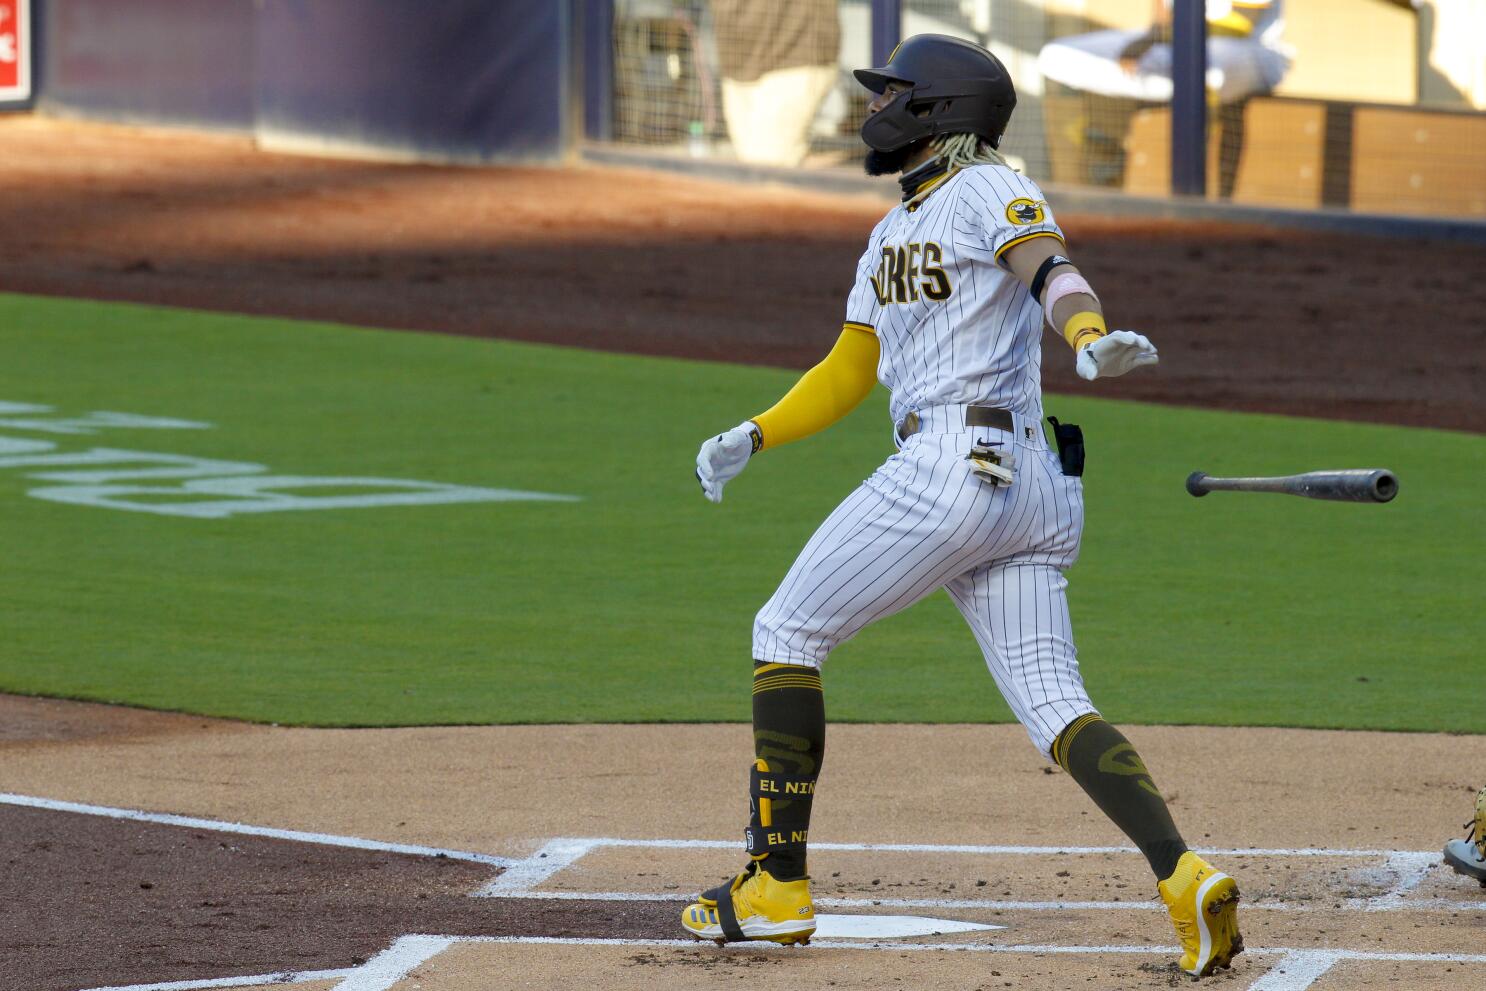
[1115,354]
[723,457]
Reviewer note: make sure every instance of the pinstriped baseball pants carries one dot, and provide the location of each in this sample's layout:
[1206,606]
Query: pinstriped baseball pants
[925,521]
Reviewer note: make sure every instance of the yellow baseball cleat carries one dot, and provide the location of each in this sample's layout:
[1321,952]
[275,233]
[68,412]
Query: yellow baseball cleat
[1204,909]
[754,906]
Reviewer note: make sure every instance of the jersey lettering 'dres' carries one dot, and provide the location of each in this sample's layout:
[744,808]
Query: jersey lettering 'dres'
[908,271]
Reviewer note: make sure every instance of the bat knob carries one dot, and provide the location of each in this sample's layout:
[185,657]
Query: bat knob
[1194,483]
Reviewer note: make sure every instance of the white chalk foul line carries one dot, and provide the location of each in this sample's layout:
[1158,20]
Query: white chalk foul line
[278,977]
[988,904]
[407,952]
[523,875]
[993,850]
[394,963]
[1409,870]
[894,946]
[1295,971]
[213,825]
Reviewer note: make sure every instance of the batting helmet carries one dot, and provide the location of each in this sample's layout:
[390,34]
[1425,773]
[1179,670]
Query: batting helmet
[955,86]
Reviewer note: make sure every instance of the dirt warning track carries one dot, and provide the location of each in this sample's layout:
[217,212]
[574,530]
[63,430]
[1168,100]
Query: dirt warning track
[1250,318]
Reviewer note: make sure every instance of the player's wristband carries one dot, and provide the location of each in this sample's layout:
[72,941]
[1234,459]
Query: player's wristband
[1084,328]
[755,436]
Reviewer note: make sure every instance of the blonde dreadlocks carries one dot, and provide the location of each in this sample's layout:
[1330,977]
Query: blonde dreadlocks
[958,151]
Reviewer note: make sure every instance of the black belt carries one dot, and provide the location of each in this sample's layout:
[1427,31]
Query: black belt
[975,416]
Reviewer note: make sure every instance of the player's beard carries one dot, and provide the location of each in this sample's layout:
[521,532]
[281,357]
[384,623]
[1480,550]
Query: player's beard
[889,162]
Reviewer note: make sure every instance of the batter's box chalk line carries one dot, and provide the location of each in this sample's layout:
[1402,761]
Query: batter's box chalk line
[1295,969]
[218,826]
[1403,870]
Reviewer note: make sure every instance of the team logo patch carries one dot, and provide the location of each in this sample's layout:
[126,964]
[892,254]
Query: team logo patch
[1023,211]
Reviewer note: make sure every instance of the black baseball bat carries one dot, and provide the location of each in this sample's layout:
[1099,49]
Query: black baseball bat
[1344,485]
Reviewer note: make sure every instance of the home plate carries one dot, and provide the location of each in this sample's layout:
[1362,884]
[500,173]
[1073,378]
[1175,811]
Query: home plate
[889,926]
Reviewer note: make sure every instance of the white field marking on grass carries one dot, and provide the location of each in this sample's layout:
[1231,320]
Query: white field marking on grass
[278,977]
[1296,971]
[394,963]
[524,875]
[217,826]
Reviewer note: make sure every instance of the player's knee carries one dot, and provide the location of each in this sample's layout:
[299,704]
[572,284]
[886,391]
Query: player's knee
[778,642]
[1048,723]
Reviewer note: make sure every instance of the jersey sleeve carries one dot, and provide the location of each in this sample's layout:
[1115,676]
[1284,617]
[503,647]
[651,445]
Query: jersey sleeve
[863,306]
[1010,208]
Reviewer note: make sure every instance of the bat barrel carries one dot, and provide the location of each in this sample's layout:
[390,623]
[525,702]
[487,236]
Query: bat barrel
[1344,485]
[1384,485]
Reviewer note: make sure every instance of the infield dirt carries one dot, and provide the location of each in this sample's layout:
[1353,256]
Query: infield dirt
[130,902]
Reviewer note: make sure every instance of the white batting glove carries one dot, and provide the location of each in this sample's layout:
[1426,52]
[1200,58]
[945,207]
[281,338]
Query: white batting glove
[1115,354]
[723,457]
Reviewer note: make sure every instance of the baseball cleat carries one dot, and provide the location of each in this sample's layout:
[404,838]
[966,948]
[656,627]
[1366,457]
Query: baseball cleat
[753,906]
[1464,858]
[1468,856]
[1204,909]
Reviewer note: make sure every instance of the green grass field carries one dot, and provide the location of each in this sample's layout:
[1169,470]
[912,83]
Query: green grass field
[635,604]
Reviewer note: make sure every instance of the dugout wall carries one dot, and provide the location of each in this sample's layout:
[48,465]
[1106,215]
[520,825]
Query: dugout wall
[457,80]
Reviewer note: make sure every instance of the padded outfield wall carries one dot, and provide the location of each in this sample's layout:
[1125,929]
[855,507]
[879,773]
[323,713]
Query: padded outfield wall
[458,80]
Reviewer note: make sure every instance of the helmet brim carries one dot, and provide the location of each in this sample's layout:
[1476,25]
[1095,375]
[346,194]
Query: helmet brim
[876,80]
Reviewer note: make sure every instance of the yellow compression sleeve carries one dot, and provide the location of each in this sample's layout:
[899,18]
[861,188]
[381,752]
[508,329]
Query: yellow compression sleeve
[827,392]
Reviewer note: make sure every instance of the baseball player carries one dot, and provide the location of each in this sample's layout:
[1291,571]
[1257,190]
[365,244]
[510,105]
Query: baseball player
[948,307]
[1245,54]
[1468,856]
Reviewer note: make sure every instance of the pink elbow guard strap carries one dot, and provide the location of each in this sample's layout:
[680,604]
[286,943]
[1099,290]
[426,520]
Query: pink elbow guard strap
[1063,285]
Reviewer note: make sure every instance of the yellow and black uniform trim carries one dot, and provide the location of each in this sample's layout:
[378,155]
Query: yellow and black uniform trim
[1065,738]
[1108,768]
[853,325]
[789,730]
[770,677]
[1025,238]
[919,182]
[922,192]
[786,681]
[1084,327]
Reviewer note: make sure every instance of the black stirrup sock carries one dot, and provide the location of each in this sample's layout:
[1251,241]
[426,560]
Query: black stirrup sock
[789,737]
[1106,766]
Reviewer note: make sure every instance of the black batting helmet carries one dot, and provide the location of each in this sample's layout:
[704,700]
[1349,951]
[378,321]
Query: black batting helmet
[955,87]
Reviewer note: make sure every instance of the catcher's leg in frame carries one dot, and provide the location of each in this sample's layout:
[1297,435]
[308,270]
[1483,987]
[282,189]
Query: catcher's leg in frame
[1468,856]
[770,899]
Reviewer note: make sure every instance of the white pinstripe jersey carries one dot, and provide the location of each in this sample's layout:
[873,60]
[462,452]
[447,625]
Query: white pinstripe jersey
[953,325]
